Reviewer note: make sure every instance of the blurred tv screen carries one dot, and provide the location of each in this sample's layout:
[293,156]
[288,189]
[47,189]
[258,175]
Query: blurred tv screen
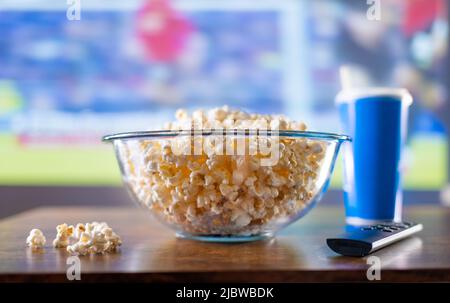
[128,65]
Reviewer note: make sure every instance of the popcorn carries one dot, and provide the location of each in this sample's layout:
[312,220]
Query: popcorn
[89,238]
[94,238]
[216,193]
[36,239]
[98,243]
[113,240]
[63,235]
[79,230]
[82,247]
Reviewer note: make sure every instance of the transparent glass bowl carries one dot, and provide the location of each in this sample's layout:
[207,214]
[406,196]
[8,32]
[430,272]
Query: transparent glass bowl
[228,186]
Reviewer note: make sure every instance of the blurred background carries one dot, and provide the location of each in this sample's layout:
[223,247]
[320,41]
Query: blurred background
[128,65]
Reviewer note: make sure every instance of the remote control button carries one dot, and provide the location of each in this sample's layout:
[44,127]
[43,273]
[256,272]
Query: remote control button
[367,228]
[394,227]
[387,230]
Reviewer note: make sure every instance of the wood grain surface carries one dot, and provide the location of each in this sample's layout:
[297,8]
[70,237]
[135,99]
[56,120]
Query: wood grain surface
[151,252]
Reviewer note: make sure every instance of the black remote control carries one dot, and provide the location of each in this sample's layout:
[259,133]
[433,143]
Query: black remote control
[366,239]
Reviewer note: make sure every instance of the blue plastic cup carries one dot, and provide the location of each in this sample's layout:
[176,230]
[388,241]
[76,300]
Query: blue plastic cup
[376,119]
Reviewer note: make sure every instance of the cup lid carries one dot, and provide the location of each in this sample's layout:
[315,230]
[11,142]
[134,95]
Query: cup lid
[350,95]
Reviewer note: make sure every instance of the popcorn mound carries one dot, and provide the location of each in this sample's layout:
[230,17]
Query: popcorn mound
[89,238]
[213,193]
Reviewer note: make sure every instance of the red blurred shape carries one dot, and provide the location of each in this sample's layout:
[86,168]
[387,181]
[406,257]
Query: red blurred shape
[419,14]
[162,30]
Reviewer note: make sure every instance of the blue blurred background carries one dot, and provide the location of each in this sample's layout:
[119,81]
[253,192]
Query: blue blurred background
[128,65]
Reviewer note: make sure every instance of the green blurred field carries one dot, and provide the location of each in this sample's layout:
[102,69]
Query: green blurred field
[97,165]
[61,166]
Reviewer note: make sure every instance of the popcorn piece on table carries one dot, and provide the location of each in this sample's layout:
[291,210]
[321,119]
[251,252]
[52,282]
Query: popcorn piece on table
[36,239]
[113,240]
[63,235]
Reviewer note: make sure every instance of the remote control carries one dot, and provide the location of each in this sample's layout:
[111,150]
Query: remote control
[367,239]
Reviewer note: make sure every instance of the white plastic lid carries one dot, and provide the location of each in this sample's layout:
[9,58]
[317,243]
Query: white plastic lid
[350,95]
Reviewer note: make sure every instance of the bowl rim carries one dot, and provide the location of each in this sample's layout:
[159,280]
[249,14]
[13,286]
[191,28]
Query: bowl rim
[151,134]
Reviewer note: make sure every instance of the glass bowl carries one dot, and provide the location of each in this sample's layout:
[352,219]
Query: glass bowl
[227,185]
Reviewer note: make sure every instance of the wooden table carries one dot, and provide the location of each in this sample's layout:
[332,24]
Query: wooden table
[151,253]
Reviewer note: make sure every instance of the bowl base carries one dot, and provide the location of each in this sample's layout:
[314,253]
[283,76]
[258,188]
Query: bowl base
[225,239]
